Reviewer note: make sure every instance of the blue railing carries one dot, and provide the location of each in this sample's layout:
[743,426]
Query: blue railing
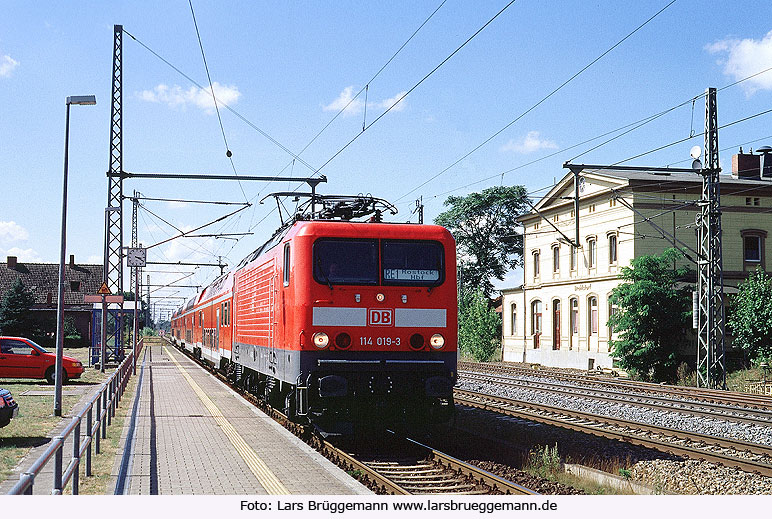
[98,415]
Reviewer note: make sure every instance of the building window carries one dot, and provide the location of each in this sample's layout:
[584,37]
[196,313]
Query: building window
[535,264]
[591,253]
[536,320]
[591,208]
[612,249]
[74,286]
[753,248]
[574,316]
[612,202]
[555,218]
[592,316]
[556,258]
[513,317]
[573,257]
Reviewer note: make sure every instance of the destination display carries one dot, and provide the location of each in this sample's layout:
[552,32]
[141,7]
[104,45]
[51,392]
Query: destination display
[411,275]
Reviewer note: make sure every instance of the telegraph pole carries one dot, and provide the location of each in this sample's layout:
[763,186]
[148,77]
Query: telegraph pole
[711,366]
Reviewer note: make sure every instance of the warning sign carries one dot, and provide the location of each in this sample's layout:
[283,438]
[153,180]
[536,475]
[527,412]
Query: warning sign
[103,290]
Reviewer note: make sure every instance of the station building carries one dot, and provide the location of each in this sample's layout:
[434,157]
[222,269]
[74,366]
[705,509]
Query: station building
[559,316]
[42,279]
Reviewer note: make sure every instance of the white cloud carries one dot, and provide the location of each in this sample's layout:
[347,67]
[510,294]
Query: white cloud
[7,65]
[530,143]
[743,58]
[175,204]
[11,232]
[386,103]
[345,101]
[95,259]
[176,97]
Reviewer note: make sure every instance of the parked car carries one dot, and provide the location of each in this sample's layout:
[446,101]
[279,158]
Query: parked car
[23,358]
[8,408]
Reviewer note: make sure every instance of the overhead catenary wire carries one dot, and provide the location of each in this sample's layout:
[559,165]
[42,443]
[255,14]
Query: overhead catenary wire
[214,98]
[408,92]
[542,100]
[224,105]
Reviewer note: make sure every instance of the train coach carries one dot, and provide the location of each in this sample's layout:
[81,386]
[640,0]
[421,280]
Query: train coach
[337,322]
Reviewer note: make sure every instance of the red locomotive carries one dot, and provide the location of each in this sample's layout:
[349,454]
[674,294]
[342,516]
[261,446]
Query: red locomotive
[336,320]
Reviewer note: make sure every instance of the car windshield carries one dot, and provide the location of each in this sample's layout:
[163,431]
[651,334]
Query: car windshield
[339,261]
[414,263]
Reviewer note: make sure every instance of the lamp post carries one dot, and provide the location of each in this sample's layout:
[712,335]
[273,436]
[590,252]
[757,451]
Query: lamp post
[71,100]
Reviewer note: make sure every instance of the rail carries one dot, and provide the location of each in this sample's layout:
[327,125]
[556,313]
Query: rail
[98,414]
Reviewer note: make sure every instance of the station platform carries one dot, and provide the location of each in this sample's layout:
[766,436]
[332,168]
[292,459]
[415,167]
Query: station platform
[188,433]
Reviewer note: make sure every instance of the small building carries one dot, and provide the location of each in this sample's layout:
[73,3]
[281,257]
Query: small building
[559,316]
[42,280]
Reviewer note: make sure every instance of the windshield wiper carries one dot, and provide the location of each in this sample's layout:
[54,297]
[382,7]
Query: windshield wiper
[321,271]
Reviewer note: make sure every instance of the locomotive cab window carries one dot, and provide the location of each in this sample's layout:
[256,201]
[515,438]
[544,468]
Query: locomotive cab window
[339,261]
[286,264]
[414,263]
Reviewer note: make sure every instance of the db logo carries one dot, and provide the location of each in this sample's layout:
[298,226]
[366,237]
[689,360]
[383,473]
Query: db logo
[380,317]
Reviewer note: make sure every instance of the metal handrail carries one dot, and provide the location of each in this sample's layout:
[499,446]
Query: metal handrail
[104,402]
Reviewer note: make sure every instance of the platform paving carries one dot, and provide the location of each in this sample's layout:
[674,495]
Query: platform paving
[188,433]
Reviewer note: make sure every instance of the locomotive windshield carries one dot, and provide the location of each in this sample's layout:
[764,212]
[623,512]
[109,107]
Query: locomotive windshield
[412,263]
[339,261]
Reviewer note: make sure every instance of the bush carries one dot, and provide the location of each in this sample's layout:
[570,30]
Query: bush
[479,326]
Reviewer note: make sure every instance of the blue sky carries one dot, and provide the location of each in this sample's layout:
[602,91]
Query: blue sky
[287,67]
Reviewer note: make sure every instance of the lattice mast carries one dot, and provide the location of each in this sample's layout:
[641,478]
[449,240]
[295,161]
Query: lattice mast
[711,366]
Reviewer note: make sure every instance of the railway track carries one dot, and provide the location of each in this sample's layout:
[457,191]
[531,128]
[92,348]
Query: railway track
[746,456]
[423,471]
[731,398]
[661,402]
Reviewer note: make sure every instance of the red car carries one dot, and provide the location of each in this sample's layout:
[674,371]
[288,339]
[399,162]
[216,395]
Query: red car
[23,358]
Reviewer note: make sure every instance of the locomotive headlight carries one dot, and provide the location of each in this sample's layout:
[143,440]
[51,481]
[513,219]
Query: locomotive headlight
[380,297]
[437,341]
[321,340]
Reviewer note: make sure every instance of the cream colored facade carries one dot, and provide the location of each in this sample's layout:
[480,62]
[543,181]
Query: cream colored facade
[559,316]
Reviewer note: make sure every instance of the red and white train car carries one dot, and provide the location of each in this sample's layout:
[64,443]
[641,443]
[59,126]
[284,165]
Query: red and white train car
[339,321]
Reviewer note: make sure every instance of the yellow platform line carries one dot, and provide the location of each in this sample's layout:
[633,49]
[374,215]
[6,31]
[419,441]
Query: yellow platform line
[267,479]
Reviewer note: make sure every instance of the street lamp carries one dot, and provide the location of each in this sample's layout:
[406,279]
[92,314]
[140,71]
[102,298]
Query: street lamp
[71,100]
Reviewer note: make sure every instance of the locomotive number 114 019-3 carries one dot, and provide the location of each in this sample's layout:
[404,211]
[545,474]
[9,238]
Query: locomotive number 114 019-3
[379,341]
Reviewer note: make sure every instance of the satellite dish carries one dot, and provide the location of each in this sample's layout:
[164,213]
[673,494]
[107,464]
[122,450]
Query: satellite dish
[697,165]
[695,152]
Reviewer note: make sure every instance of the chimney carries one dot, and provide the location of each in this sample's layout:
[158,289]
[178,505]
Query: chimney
[72,261]
[12,262]
[745,165]
[765,160]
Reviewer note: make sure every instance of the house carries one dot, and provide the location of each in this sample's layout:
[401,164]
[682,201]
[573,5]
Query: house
[42,280]
[559,316]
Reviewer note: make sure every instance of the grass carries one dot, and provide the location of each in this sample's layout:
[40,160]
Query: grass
[545,462]
[739,380]
[36,419]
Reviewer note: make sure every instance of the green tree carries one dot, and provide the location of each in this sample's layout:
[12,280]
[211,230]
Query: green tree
[483,225]
[653,315]
[751,316]
[479,331]
[15,312]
